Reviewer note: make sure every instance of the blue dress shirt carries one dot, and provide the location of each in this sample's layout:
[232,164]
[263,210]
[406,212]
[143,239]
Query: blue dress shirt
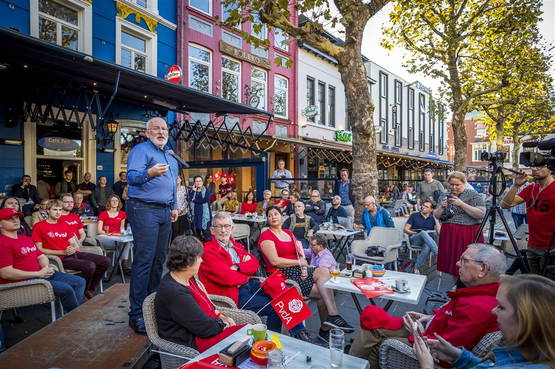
[159,190]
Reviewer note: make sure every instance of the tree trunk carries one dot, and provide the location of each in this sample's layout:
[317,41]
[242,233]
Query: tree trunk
[360,114]
[516,151]
[459,134]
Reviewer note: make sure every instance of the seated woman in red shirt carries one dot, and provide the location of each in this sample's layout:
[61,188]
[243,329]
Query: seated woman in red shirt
[112,222]
[184,313]
[249,205]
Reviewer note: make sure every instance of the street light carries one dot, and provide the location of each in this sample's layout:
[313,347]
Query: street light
[112,126]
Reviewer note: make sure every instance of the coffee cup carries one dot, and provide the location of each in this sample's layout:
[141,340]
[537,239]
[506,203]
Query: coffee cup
[401,285]
[258,332]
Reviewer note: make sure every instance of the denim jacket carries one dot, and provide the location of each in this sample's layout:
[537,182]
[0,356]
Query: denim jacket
[500,357]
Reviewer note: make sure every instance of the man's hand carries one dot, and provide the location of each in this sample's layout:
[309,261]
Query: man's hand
[157,170]
[443,203]
[46,272]
[234,267]
[229,322]
[520,179]
[174,215]
[304,273]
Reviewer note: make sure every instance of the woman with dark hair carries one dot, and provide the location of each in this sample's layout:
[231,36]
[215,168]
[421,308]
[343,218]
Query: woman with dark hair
[184,313]
[13,203]
[209,183]
[526,317]
[249,203]
[199,205]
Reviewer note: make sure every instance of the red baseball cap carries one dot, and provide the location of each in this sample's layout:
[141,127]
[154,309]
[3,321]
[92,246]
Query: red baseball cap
[374,317]
[7,213]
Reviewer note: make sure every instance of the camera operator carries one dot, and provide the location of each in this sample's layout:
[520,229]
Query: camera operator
[540,208]
[460,212]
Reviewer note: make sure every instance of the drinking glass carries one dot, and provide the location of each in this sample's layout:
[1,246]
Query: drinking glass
[335,272]
[349,259]
[337,343]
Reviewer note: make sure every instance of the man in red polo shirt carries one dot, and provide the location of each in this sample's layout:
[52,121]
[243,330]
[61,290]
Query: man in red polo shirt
[20,260]
[56,238]
[72,220]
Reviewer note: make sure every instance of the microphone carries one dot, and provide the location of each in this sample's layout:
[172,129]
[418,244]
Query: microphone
[182,163]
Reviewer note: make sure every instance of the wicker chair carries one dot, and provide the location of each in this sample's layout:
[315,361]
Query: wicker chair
[27,293]
[56,262]
[395,354]
[389,239]
[173,355]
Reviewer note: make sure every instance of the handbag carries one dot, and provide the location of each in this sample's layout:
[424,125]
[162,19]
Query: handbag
[375,251]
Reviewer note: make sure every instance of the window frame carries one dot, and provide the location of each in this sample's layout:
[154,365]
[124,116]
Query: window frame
[210,67]
[281,46]
[411,118]
[265,83]
[331,106]
[431,130]
[150,38]
[322,86]
[277,76]
[264,28]
[310,95]
[210,8]
[421,122]
[229,71]
[397,117]
[441,127]
[384,106]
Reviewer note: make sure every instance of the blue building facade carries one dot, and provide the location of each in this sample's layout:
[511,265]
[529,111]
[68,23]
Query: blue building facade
[136,34]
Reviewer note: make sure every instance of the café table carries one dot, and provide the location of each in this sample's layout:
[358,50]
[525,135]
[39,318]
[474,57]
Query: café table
[120,242]
[295,351]
[342,238]
[91,225]
[416,284]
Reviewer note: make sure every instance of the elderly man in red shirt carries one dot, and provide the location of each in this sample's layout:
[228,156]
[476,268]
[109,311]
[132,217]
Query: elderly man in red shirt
[225,271]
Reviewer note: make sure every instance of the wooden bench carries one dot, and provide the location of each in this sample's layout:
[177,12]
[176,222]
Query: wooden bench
[95,335]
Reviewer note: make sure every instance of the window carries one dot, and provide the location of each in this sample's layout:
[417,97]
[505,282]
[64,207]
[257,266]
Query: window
[232,39]
[58,24]
[281,40]
[421,122]
[431,130]
[281,96]
[396,113]
[440,130]
[133,52]
[258,28]
[331,106]
[410,118]
[231,79]
[384,104]
[200,25]
[310,95]
[478,149]
[142,3]
[204,6]
[200,68]
[322,102]
[258,88]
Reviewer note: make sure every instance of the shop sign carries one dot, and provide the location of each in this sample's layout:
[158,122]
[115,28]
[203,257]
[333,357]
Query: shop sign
[507,140]
[58,144]
[244,55]
[310,111]
[174,74]
[343,136]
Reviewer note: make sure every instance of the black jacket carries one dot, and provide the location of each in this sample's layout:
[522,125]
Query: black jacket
[28,192]
[336,189]
[180,319]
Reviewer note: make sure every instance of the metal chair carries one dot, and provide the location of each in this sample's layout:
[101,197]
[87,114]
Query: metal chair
[389,239]
[242,231]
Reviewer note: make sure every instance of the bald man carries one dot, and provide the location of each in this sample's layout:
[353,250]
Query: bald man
[151,208]
[374,216]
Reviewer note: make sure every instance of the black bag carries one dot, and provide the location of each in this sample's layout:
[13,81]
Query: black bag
[375,251]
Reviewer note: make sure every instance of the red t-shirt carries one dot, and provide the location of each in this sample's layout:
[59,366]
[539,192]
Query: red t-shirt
[248,208]
[73,222]
[20,253]
[281,203]
[284,249]
[53,236]
[540,209]
[111,225]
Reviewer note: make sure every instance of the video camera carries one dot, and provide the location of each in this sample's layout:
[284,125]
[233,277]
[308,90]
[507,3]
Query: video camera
[538,159]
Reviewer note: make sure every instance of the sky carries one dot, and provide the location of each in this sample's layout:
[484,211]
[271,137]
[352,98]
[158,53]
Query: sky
[392,60]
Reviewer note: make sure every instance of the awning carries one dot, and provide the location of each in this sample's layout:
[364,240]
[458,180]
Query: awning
[27,63]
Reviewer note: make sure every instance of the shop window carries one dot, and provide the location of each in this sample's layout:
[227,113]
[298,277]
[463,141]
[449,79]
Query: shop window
[204,6]
[281,96]
[136,47]
[258,88]
[65,23]
[200,68]
[231,79]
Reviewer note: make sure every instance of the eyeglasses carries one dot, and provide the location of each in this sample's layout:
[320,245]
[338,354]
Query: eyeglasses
[464,260]
[67,202]
[222,227]
[313,195]
[159,129]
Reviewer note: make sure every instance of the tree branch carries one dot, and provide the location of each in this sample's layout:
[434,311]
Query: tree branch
[376,5]
[433,28]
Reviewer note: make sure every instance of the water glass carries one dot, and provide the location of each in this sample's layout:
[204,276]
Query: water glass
[276,360]
[337,344]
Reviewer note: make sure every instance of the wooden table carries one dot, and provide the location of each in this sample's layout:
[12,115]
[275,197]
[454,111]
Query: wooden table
[416,283]
[95,335]
[291,346]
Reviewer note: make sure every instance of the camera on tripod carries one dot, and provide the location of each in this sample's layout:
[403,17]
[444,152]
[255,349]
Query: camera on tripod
[493,157]
[538,159]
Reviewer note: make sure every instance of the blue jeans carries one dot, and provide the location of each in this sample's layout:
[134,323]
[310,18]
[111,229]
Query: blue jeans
[261,298]
[428,245]
[151,227]
[68,288]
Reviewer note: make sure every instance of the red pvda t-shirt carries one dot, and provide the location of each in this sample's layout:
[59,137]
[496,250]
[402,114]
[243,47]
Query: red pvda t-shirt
[73,222]
[540,209]
[20,253]
[53,236]
[112,225]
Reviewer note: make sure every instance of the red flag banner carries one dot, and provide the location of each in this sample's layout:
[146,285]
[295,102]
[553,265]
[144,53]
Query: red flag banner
[274,285]
[210,362]
[291,308]
[372,287]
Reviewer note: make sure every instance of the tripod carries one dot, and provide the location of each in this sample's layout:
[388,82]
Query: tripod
[495,210]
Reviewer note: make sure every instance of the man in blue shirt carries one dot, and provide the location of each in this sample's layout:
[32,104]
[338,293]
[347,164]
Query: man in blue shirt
[420,228]
[151,208]
[374,216]
[336,211]
[344,188]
